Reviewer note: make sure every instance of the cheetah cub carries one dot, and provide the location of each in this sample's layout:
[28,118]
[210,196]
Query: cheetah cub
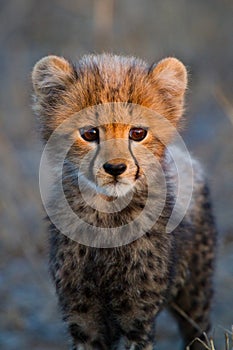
[114,261]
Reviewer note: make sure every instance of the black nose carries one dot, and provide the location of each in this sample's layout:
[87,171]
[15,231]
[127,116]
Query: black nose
[114,169]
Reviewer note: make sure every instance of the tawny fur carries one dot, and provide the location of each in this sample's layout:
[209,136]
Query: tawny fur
[110,297]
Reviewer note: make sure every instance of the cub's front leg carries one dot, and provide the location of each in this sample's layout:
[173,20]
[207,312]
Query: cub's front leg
[139,335]
[137,322]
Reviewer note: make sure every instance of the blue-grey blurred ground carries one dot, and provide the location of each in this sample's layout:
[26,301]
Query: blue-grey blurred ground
[198,32]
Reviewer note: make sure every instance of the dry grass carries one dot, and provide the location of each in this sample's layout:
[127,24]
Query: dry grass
[208,343]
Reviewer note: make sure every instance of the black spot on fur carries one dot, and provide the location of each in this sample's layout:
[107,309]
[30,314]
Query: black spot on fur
[97,344]
[133,335]
[88,292]
[58,282]
[82,252]
[145,294]
[125,305]
[138,324]
[147,308]
[206,305]
[144,276]
[127,258]
[203,282]
[149,254]
[195,258]
[205,240]
[57,266]
[150,265]
[159,262]
[61,257]
[77,333]
[159,280]
[82,308]
[73,265]
[136,265]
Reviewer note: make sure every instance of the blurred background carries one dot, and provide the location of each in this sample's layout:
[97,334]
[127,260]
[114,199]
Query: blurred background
[200,34]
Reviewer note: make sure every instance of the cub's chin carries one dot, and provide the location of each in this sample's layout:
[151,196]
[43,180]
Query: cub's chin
[117,189]
[107,191]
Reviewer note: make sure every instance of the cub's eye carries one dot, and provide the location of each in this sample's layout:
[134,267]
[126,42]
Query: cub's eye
[137,134]
[90,134]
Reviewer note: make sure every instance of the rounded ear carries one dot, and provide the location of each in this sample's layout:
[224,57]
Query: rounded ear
[52,74]
[170,75]
[169,79]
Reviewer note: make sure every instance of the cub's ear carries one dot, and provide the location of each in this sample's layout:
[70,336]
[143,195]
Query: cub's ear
[169,78]
[52,74]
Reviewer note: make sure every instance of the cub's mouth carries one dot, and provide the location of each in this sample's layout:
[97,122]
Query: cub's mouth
[108,187]
[116,189]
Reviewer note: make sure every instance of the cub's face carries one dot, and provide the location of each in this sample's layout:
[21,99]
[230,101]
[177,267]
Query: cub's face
[118,114]
[111,161]
[110,154]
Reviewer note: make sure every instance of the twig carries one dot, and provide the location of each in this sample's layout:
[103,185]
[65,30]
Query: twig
[186,317]
[200,341]
[194,324]
[212,344]
[232,334]
[227,343]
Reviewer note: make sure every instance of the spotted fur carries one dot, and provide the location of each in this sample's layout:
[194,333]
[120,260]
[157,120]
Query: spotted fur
[110,297]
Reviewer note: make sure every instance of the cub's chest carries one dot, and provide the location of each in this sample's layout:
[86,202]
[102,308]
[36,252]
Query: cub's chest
[123,269]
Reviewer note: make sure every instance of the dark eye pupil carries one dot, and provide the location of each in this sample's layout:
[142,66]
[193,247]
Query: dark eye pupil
[90,134]
[137,134]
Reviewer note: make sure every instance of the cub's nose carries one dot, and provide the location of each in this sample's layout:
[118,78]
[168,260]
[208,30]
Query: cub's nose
[114,169]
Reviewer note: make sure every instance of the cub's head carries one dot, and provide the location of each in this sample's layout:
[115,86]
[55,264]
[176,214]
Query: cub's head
[118,113]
